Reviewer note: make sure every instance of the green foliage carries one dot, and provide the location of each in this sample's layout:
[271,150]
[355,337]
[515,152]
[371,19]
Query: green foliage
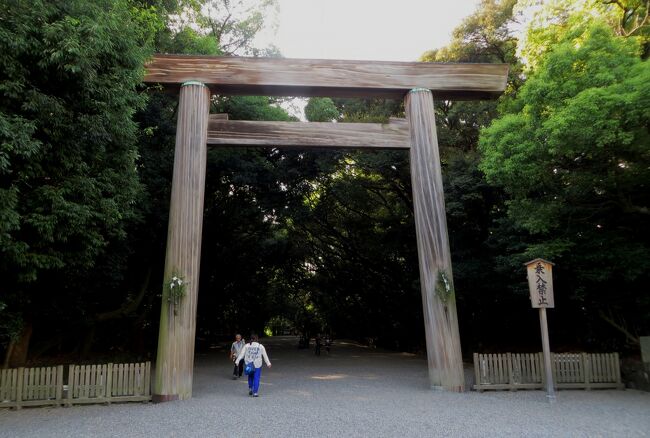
[11,324]
[67,135]
[234,24]
[212,27]
[251,108]
[572,154]
[321,109]
[485,36]
[551,21]
[189,41]
[68,77]
[575,129]
[356,231]
[368,110]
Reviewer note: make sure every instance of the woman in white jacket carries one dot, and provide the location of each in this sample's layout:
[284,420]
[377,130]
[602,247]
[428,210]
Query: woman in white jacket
[254,353]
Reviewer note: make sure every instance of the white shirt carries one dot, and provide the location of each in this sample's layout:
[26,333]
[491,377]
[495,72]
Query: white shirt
[254,352]
[237,347]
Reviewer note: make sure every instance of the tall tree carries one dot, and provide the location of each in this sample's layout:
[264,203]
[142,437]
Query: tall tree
[68,77]
[572,155]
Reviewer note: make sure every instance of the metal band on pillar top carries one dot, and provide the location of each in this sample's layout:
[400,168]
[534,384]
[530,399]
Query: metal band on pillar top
[193,83]
[418,89]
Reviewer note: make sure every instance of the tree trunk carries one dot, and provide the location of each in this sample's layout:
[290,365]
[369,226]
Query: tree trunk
[10,348]
[17,353]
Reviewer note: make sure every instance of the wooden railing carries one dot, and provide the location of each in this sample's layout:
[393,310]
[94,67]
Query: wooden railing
[525,371]
[86,384]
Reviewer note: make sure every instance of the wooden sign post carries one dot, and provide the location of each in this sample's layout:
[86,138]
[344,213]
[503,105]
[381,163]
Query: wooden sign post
[540,284]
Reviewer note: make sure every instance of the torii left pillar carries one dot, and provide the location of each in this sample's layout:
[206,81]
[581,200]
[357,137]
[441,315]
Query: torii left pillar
[175,360]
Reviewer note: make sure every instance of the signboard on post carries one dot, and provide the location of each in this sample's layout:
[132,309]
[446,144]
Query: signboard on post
[540,283]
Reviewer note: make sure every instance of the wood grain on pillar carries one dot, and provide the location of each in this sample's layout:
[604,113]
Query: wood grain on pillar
[175,360]
[438,299]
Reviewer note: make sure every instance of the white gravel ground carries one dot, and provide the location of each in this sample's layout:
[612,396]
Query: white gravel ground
[354,392]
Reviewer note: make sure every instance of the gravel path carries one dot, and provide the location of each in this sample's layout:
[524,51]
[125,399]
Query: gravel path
[354,392]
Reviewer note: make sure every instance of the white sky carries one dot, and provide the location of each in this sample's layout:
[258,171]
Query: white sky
[385,30]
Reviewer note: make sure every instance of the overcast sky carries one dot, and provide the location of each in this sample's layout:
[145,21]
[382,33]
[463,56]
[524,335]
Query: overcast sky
[385,30]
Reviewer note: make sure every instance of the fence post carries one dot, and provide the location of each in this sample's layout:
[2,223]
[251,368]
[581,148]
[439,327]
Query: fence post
[554,369]
[477,373]
[147,380]
[587,371]
[19,391]
[59,385]
[511,380]
[71,371]
[109,383]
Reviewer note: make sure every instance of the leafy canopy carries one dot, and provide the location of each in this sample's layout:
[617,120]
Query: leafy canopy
[572,154]
[69,72]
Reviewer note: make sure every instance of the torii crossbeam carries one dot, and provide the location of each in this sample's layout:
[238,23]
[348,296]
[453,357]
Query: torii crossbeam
[198,76]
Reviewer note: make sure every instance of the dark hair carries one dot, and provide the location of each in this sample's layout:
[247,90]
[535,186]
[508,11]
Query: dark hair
[254,337]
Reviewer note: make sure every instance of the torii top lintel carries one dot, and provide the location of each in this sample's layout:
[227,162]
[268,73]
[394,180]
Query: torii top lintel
[331,78]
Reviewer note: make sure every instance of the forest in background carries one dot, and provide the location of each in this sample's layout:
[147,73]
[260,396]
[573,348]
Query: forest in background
[315,240]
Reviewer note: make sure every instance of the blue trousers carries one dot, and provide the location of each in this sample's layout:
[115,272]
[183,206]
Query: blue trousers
[254,380]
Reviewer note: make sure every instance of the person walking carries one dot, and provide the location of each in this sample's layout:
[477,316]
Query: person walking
[328,343]
[235,349]
[318,344]
[253,353]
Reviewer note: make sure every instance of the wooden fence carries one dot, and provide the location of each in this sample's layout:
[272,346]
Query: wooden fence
[31,386]
[109,383]
[86,384]
[526,371]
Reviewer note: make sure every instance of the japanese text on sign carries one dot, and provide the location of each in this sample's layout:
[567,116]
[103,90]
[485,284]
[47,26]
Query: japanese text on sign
[540,283]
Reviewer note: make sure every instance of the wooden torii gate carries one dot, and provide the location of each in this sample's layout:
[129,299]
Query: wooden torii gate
[417,83]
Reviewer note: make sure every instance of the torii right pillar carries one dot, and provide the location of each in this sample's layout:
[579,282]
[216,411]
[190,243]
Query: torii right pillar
[444,356]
